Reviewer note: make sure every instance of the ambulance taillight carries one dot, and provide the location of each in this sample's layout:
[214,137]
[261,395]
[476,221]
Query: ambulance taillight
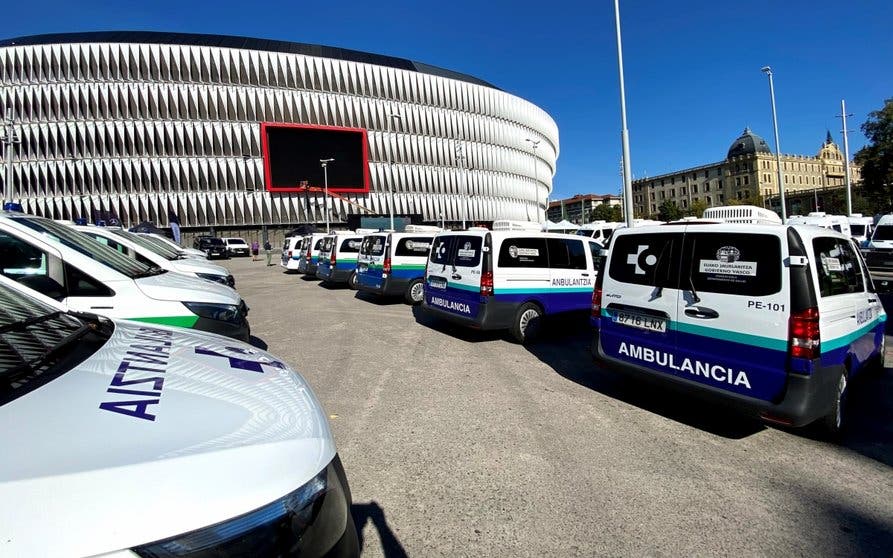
[804,338]
[386,267]
[487,283]
[597,302]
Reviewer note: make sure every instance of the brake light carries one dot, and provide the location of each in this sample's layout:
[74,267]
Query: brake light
[804,338]
[487,283]
[386,267]
[308,253]
[597,302]
[289,254]
[332,258]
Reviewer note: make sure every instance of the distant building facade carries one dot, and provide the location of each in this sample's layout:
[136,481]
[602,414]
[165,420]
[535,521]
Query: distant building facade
[748,172]
[577,209]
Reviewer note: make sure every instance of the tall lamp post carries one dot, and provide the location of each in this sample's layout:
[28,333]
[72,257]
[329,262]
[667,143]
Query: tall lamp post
[536,174]
[9,139]
[846,158]
[391,118]
[784,212]
[460,158]
[325,172]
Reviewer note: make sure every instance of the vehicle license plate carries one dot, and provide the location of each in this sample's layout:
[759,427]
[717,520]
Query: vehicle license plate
[648,323]
[437,282]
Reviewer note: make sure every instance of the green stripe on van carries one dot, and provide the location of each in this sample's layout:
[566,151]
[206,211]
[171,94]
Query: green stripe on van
[178,321]
[413,267]
[545,290]
[461,287]
[734,336]
[845,340]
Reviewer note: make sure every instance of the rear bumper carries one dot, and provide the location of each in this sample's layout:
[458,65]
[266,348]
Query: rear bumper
[806,397]
[491,315]
[388,287]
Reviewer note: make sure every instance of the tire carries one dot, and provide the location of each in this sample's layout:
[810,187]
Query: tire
[352,281]
[527,323]
[415,292]
[834,423]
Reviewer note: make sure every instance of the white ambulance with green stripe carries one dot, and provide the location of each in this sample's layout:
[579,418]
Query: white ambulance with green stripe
[393,263]
[84,275]
[509,279]
[338,255]
[775,319]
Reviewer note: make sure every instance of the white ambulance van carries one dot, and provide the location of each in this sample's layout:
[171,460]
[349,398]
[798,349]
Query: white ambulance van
[509,279]
[118,420]
[600,231]
[393,264]
[142,250]
[777,319]
[86,276]
[861,228]
[338,256]
[291,253]
[882,237]
[310,246]
[837,223]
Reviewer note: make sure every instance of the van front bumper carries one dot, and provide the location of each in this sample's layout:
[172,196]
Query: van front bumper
[806,398]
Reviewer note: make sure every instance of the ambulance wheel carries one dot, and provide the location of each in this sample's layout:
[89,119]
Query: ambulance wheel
[833,423]
[352,281]
[526,325]
[415,292]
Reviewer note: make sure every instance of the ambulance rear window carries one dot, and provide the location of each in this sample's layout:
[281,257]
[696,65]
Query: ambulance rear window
[646,259]
[733,263]
[468,251]
[372,246]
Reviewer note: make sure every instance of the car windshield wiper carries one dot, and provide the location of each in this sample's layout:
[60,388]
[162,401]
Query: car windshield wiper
[31,366]
[22,324]
[152,271]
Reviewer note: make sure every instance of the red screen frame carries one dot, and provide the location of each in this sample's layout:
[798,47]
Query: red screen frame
[265,153]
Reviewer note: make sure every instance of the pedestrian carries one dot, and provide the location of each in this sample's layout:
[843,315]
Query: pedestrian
[269,249]
[255,249]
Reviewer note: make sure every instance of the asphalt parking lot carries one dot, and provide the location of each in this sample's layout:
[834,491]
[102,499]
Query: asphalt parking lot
[464,443]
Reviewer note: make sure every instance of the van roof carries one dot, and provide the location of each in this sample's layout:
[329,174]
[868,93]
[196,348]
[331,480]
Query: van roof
[805,231]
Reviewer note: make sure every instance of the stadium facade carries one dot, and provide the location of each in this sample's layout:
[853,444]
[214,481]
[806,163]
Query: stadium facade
[142,125]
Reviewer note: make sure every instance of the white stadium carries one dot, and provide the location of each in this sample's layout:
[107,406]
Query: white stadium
[229,131]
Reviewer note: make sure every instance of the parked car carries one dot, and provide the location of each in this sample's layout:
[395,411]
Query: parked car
[236,246]
[170,244]
[212,246]
[246,458]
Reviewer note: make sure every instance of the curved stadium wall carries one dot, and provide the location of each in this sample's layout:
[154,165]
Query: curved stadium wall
[139,125]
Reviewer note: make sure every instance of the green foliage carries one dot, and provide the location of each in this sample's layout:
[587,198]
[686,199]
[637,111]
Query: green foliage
[697,209]
[876,158]
[752,199]
[669,211]
[605,212]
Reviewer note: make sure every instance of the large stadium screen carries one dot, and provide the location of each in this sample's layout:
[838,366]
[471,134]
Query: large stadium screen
[292,154]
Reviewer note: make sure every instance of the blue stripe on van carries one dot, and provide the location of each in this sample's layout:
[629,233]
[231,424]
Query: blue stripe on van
[553,301]
[545,290]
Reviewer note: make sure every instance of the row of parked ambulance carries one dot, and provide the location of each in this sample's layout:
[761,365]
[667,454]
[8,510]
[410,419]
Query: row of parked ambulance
[776,319]
[93,402]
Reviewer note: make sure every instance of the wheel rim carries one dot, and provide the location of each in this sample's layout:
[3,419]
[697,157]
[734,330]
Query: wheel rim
[417,292]
[841,396]
[526,320]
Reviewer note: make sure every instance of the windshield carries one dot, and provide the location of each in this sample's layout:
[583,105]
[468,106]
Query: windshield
[213,241]
[85,245]
[235,241]
[857,230]
[34,340]
[164,252]
[161,240]
[883,232]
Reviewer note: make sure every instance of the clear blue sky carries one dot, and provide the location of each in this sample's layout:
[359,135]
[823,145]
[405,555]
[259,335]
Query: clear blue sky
[692,67]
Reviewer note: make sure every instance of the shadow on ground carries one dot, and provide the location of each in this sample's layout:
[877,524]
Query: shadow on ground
[455,330]
[366,296]
[372,513]
[309,278]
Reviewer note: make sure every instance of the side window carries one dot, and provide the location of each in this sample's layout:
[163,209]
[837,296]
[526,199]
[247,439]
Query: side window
[598,255]
[318,244]
[143,259]
[413,247]
[838,270]
[576,254]
[81,284]
[524,252]
[738,264]
[108,242]
[646,259]
[558,257]
[19,258]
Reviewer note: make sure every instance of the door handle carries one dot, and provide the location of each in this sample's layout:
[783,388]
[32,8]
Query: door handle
[701,313]
[456,276]
[872,300]
[585,274]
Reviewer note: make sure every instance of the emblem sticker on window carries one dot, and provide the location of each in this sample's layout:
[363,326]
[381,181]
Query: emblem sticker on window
[727,263]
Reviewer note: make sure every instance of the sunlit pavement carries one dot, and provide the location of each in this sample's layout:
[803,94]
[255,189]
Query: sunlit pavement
[464,443]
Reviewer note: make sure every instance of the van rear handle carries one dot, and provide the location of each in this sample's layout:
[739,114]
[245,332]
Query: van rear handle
[702,313]
[585,274]
[456,276]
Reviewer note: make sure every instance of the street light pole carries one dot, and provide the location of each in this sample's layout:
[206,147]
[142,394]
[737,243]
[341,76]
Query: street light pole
[536,174]
[624,132]
[846,159]
[9,139]
[325,171]
[391,118]
[784,212]
[460,158]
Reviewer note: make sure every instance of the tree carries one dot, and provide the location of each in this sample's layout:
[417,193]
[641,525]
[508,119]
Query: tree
[876,158]
[697,208]
[669,211]
[605,212]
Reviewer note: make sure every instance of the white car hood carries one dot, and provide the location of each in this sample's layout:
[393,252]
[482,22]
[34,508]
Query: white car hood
[107,471]
[198,266]
[179,287]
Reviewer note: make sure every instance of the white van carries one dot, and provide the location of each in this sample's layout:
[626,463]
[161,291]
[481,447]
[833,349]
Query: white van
[236,246]
[338,257]
[68,266]
[861,228]
[140,249]
[600,231]
[393,264]
[882,237]
[837,223]
[170,244]
[775,319]
[310,246]
[121,401]
[291,253]
[509,279]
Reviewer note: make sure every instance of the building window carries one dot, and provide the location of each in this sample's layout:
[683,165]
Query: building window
[682,191]
[694,188]
[721,197]
[737,181]
[684,204]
